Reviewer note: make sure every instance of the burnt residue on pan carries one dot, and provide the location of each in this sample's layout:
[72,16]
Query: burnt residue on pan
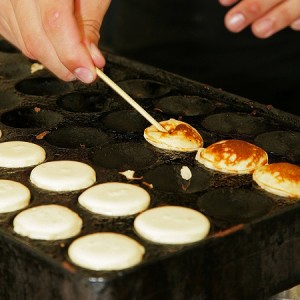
[31,117]
[10,69]
[94,125]
[39,86]
[188,106]
[9,100]
[77,137]
[124,156]
[236,124]
[281,144]
[234,206]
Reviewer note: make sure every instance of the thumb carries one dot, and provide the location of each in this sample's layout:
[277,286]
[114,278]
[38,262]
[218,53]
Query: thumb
[90,15]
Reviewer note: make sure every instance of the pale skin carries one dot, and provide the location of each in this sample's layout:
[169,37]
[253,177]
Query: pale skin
[63,34]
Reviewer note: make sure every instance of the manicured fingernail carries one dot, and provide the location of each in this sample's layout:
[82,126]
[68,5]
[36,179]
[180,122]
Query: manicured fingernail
[237,22]
[296,24]
[264,28]
[85,75]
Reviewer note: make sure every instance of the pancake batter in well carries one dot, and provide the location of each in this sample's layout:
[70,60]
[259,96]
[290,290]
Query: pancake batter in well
[13,196]
[47,222]
[19,154]
[232,156]
[63,176]
[180,136]
[172,225]
[105,251]
[281,179]
[115,199]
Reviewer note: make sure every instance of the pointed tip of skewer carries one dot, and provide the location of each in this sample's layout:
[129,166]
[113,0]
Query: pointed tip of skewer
[162,129]
[127,98]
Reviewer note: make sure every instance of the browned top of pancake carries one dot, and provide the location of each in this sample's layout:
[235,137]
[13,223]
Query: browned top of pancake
[284,171]
[180,136]
[185,130]
[224,150]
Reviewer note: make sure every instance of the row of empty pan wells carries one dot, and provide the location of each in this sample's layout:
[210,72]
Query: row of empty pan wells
[75,116]
[93,125]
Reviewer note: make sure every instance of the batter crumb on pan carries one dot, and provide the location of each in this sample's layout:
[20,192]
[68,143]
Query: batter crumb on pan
[229,230]
[129,174]
[41,135]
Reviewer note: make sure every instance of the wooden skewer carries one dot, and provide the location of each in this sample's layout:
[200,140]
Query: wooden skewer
[126,97]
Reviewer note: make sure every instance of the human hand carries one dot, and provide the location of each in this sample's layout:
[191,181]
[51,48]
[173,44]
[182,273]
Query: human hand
[62,35]
[266,17]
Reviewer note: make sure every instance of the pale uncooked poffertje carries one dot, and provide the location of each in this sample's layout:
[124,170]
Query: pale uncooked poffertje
[172,225]
[13,196]
[115,199]
[180,136]
[232,156]
[105,251]
[19,154]
[281,179]
[63,176]
[47,222]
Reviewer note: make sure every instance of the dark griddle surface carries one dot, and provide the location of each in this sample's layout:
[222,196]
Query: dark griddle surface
[253,247]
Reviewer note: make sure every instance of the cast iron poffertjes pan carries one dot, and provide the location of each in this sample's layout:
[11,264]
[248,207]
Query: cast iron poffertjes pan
[252,250]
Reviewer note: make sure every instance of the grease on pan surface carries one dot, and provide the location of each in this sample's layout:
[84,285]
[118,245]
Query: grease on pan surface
[281,179]
[105,251]
[89,123]
[180,137]
[232,156]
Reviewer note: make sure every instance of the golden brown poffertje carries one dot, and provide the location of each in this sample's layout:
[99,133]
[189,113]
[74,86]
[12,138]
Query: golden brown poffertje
[180,136]
[232,156]
[281,179]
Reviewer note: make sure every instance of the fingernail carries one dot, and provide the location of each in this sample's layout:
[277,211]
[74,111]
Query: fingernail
[95,52]
[237,22]
[71,77]
[264,28]
[96,55]
[296,24]
[85,75]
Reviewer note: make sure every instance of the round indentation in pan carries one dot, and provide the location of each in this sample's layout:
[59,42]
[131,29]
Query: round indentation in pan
[118,72]
[235,123]
[8,100]
[124,156]
[76,137]
[43,86]
[83,102]
[31,118]
[7,47]
[144,89]
[129,121]
[281,143]
[168,178]
[234,205]
[185,105]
